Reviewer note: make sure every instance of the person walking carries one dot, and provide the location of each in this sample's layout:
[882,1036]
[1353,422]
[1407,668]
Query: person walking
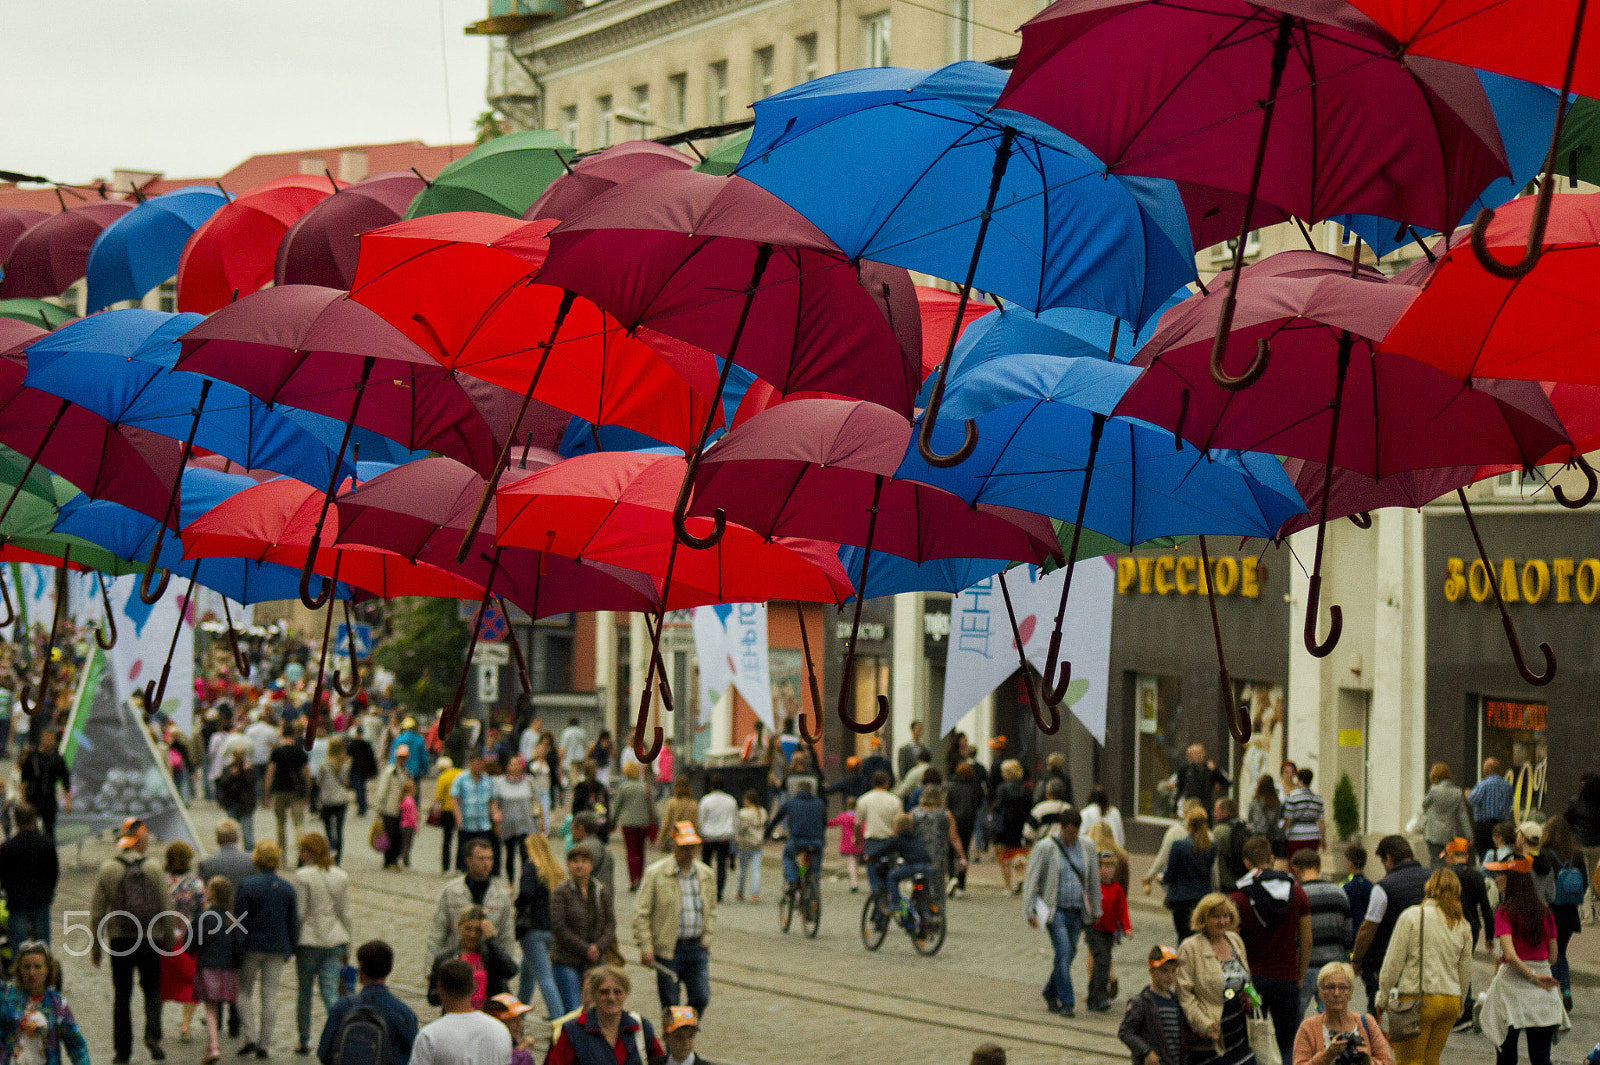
[492,970]
[1199,778]
[718,825]
[444,811]
[473,793]
[1328,1036]
[605,1032]
[1228,832]
[1429,958]
[288,783]
[1402,887]
[1013,802]
[1570,885]
[44,775]
[751,835]
[1265,816]
[130,895]
[964,796]
[1105,933]
[678,809]
[322,900]
[268,910]
[374,963]
[674,920]
[1445,813]
[29,872]
[1475,905]
[583,927]
[541,874]
[1213,975]
[464,1035]
[1303,824]
[188,902]
[1523,997]
[907,757]
[236,794]
[1330,921]
[1055,768]
[1098,809]
[1490,799]
[1153,1028]
[1061,891]
[1275,924]
[386,800]
[218,949]
[1583,817]
[1191,863]
[363,767]
[634,814]
[478,886]
[514,792]
[333,794]
[37,1026]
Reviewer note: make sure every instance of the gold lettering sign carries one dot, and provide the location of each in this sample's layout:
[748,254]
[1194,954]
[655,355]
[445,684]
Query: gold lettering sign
[1184,575]
[1533,580]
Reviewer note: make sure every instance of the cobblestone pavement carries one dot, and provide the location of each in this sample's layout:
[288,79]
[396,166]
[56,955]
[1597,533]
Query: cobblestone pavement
[776,999]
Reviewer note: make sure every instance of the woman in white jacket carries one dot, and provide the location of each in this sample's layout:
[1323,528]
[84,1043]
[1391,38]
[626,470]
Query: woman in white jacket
[1429,955]
[322,893]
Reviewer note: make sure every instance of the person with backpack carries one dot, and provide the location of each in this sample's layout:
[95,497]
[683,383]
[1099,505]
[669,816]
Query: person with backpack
[130,895]
[1275,925]
[371,1027]
[1229,834]
[1571,884]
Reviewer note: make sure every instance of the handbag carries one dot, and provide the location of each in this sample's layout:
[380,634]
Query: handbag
[436,815]
[1404,1021]
[378,837]
[1263,1037]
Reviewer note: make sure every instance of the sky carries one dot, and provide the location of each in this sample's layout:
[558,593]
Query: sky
[193,87]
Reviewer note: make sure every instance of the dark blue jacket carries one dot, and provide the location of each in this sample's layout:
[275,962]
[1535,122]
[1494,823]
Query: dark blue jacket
[807,816]
[909,847]
[269,913]
[1188,875]
[28,870]
[400,1018]
[218,943]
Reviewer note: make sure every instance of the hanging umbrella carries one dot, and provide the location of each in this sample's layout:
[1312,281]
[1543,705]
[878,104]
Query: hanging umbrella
[14,221]
[1260,110]
[233,254]
[141,249]
[1387,413]
[940,312]
[502,176]
[724,157]
[36,312]
[1576,156]
[938,192]
[604,170]
[1355,495]
[49,256]
[322,245]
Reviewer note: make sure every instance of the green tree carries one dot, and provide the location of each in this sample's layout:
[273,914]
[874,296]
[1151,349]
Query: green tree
[1346,810]
[487,127]
[425,652]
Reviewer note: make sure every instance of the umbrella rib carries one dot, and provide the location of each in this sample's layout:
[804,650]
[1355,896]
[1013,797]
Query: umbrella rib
[916,182]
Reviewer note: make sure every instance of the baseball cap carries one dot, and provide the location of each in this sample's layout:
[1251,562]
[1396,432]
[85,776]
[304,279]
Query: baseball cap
[133,832]
[852,762]
[875,742]
[684,835]
[505,1005]
[1160,956]
[1459,845]
[1531,831]
[997,742]
[1510,865]
[679,1017]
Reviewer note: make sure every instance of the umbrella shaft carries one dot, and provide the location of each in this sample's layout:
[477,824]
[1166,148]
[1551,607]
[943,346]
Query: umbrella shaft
[1077,528]
[34,459]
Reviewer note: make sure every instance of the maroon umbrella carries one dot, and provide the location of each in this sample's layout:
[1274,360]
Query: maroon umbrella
[1329,396]
[1305,107]
[50,255]
[322,246]
[603,171]
[1355,495]
[316,349]
[824,469]
[14,221]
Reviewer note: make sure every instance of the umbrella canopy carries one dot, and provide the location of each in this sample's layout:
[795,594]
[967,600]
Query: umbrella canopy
[36,312]
[939,309]
[1578,154]
[1354,494]
[725,156]
[322,245]
[943,183]
[141,249]
[235,251]
[30,526]
[502,176]
[13,222]
[49,256]
[616,507]
[602,171]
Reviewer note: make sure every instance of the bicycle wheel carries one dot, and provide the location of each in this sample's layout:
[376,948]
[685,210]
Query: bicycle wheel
[931,926]
[811,908]
[786,908]
[874,923]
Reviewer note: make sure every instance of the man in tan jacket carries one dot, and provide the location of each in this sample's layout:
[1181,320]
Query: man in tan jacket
[674,918]
[125,913]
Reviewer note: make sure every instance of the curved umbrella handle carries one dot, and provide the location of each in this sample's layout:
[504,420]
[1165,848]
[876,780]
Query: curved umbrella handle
[680,512]
[1043,705]
[1588,492]
[1054,688]
[106,642]
[1361,519]
[1530,255]
[155,694]
[1239,726]
[313,602]
[1219,347]
[863,728]
[11,611]
[803,720]
[147,595]
[1538,680]
[925,438]
[1335,621]
[355,661]
[643,753]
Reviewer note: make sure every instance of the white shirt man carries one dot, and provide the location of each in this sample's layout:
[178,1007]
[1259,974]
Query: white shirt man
[574,743]
[463,1036]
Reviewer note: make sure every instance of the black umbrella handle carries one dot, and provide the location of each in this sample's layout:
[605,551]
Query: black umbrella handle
[804,722]
[1588,492]
[105,638]
[1536,679]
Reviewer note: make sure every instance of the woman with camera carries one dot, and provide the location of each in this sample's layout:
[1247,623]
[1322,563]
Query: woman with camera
[1427,969]
[1337,1036]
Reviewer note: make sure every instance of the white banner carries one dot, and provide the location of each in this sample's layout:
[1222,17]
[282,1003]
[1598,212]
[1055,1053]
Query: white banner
[143,635]
[711,654]
[731,645]
[982,652]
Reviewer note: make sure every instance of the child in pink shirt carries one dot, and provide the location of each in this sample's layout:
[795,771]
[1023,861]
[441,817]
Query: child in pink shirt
[850,844]
[408,820]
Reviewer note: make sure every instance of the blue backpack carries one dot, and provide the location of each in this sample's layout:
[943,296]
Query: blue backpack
[1569,885]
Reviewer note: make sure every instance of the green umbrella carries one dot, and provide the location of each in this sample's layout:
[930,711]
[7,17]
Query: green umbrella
[502,176]
[724,158]
[1093,545]
[36,312]
[31,523]
[1578,155]
[38,484]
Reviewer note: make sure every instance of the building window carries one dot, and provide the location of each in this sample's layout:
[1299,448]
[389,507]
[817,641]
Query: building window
[1515,733]
[1223,253]
[1520,484]
[717,92]
[960,24]
[167,297]
[762,82]
[605,121]
[1158,747]
[678,100]
[805,58]
[569,124]
[639,111]
[875,40]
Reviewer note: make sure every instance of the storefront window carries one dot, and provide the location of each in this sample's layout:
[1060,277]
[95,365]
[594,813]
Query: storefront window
[1264,753]
[1159,749]
[1515,734]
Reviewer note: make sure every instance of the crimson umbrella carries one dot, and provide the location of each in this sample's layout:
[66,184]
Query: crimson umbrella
[602,171]
[322,245]
[824,469]
[236,250]
[1302,107]
[48,256]
[1333,397]
[939,309]
[14,221]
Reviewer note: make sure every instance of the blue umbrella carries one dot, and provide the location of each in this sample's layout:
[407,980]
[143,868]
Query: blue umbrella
[118,364]
[942,182]
[1048,443]
[1525,113]
[140,250]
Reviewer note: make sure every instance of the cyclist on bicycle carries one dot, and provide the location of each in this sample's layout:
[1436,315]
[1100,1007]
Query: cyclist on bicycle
[914,858]
[807,815]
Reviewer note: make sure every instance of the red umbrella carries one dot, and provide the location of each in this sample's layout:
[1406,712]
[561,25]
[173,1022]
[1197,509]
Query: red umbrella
[939,309]
[602,171]
[322,246]
[235,252]
[14,221]
[47,257]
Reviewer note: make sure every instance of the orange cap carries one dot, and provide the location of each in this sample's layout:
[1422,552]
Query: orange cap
[997,742]
[684,835]
[1459,845]
[1167,954]
[680,1017]
[1510,865]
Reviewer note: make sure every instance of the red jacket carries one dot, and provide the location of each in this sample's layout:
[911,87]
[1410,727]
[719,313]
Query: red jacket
[1113,909]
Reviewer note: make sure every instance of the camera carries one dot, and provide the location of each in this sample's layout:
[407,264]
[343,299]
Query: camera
[1352,1051]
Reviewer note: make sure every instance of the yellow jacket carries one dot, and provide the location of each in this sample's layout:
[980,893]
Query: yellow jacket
[655,913]
[441,790]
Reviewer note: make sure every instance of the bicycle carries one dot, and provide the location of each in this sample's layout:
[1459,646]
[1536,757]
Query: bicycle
[804,895]
[923,918]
